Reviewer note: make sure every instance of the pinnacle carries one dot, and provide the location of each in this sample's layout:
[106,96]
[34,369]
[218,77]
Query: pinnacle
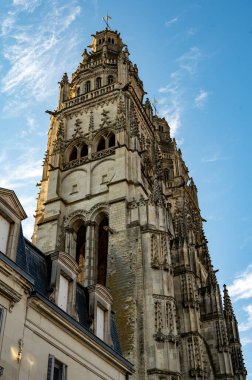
[228,309]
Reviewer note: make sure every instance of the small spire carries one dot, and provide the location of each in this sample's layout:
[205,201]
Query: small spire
[228,308]
[64,79]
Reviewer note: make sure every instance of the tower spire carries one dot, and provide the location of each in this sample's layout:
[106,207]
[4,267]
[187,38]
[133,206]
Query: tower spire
[228,308]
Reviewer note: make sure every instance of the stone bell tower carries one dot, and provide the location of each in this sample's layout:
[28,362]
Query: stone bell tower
[118,208]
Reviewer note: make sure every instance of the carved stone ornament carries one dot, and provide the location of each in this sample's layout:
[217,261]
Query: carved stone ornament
[77,130]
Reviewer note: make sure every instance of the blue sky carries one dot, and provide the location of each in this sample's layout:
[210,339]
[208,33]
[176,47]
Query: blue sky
[195,57]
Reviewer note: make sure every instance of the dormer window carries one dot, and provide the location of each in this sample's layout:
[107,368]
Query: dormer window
[110,79]
[63,292]
[98,82]
[88,86]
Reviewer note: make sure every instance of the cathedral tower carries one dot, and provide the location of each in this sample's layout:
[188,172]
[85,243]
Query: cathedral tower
[118,210]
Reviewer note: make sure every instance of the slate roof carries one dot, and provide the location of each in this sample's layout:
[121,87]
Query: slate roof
[38,265]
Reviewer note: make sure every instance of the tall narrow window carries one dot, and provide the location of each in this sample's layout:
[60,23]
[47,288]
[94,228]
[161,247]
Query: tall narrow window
[98,82]
[101,144]
[80,251]
[100,324]
[84,150]
[88,86]
[73,154]
[102,251]
[4,234]
[56,370]
[110,79]
[111,140]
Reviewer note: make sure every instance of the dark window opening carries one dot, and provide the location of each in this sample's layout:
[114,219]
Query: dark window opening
[101,145]
[87,86]
[102,252]
[109,39]
[98,82]
[112,140]
[110,79]
[113,41]
[84,150]
[78,91]
[73,154]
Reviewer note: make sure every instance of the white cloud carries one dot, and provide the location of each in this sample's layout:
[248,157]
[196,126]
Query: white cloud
[38,54]
[172,102]
[26,170]
[7,23]
[244,326]
[30,127]
[241,287]
[245,341]
[171,22]
[200,99]
[26,5]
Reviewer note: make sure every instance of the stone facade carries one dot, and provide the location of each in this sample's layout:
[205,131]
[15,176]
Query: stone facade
[116,196]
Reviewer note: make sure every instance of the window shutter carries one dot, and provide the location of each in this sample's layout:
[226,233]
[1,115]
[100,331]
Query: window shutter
[50,369]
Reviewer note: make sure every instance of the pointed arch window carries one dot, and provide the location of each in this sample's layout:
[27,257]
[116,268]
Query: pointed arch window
[102,254]
[73,154]
[80,251]
[98,82]
[111,142]
[101,145]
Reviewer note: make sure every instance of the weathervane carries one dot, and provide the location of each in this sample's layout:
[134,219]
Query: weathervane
[105,19]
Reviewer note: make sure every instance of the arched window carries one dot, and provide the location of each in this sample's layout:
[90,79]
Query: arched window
[101,144]
[84,150]
[80,251]
[110,79]
[102,256]
[73,154]
[111,140]
[88,86]
[98,82]
[78,91]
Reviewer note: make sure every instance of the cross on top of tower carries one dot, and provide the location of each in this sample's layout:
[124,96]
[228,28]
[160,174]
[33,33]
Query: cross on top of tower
[105,19]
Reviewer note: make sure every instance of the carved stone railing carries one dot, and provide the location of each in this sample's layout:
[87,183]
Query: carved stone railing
[83,160]
[88,96]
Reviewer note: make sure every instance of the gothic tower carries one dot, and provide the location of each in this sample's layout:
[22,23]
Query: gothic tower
[118,208]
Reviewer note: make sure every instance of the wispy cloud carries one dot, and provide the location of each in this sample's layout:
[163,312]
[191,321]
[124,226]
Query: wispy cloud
[245,326]
[37,54]
[245,341]
[214,157]
[172,100]
[241,287]
[26,170]
[169,23]
[200,99]
[26,5]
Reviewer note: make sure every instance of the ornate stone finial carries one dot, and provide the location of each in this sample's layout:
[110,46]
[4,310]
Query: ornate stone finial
[77,130]
[85,55]
[105,122]
[91,122]
[64,79]
[134,130]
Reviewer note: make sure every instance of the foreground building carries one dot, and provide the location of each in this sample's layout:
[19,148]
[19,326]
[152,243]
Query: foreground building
[118,214]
